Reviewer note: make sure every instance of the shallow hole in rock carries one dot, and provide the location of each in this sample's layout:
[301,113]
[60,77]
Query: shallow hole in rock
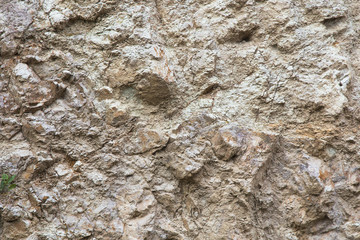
[246,38]
[210,89]
[318,108]
[71,162]
[128,92]
[238,36]
[243,36]
[331,22]
[321,225]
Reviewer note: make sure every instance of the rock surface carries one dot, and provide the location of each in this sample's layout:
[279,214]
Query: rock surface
[163,119]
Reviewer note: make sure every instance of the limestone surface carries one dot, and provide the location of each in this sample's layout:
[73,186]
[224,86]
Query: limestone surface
[180,119]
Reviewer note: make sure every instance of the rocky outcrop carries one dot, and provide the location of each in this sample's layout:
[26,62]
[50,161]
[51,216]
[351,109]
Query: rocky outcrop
[162,119]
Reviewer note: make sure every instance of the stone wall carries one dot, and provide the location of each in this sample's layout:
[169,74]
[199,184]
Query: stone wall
[180,119]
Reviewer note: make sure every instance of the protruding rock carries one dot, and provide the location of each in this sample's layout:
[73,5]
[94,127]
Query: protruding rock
[25,73]
[119,74]
[104,93]
[183,167]
[145,140]
[352,229]
[152,88]
[229,142]
[16,230]
[11,214]
[9,127]
[116,117]
[31,92]
[37,129]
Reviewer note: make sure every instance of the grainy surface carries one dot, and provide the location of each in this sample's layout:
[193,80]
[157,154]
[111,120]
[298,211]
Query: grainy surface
[169,119]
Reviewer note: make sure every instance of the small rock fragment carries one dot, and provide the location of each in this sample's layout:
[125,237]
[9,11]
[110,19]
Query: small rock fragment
[229,142]
[11,214]
[145,140]
[153,89]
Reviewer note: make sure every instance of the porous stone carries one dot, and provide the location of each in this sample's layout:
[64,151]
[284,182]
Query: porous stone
[212,119]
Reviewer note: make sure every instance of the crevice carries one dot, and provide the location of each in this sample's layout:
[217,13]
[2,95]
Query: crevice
[332,22]
[158,11]
[210,89]
[241,36]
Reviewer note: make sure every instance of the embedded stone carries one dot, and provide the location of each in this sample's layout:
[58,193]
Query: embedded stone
[153,89]
[229,142]
[11,214]
[145,140]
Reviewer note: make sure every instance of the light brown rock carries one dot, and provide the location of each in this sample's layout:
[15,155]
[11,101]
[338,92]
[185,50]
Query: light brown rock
[211,119]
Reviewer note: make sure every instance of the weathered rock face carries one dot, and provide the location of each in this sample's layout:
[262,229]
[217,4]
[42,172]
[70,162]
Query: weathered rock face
[163,119]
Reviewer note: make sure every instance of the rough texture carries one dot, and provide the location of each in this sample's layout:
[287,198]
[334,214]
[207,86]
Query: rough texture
[169,119]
